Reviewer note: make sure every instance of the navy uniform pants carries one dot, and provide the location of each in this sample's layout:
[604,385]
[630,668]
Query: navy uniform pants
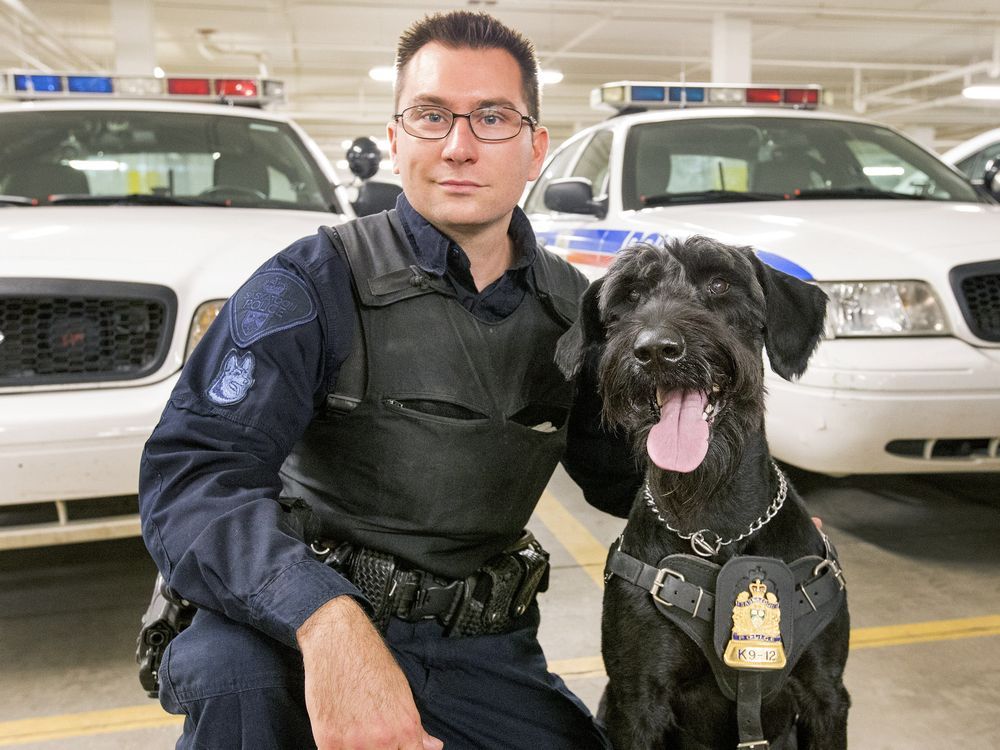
[238,688]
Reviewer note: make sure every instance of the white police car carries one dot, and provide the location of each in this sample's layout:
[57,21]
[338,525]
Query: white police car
[126,220]
[907,378]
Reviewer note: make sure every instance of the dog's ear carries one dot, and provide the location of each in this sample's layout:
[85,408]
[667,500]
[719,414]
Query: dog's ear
[795,314]
[585,332]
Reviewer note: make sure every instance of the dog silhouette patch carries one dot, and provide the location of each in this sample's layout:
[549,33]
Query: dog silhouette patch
[234,380]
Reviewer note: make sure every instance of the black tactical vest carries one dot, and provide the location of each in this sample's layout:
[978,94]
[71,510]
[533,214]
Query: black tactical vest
[443,430]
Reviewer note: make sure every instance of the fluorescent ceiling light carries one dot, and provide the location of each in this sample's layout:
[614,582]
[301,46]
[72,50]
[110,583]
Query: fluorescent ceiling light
[981,92]
[549,77]
[383,73]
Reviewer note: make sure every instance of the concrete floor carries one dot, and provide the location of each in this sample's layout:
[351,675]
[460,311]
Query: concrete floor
[918,552]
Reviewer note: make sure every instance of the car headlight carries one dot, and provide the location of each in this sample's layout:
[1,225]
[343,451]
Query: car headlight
[882,308]
[203,318]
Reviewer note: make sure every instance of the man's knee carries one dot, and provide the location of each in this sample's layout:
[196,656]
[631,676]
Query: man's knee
[235,685]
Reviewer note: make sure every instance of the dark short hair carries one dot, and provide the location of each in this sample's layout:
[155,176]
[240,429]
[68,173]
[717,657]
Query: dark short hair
[473,30]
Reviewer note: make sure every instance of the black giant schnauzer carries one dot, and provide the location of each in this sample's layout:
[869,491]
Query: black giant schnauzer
[725,618]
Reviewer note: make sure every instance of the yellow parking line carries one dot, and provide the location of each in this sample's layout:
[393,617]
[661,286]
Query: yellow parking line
[922,632]
[574,536]
[89,722]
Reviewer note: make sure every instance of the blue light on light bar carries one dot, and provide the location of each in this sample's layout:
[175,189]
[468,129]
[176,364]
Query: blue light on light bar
[90,84]
[37,83]
[648,93]
[687,94]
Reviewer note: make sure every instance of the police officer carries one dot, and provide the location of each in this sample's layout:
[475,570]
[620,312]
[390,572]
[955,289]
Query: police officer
[395,377]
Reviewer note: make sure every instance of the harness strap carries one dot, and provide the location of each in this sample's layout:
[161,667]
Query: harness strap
[748,700]
[817,581]
[667,585]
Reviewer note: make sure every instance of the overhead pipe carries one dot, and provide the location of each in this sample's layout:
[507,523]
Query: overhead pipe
[54,44]
[209,49]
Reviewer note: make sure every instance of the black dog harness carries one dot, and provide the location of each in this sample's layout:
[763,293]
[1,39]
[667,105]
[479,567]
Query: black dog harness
[708,602]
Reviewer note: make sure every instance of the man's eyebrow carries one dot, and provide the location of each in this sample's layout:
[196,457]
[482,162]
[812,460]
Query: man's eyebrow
[437,101]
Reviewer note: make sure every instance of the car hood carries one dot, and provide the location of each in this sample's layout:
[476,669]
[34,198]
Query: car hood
[844,239]
[178,247]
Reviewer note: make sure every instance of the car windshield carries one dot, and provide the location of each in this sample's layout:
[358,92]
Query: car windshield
[779,158]
[157,158]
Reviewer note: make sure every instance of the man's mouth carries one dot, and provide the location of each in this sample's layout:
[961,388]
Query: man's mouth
[679,439]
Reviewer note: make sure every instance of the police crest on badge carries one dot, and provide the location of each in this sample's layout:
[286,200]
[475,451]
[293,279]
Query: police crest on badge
[756,638]
[234,379]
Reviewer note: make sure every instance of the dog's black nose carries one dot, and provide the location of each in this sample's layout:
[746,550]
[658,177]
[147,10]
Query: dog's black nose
[658,345]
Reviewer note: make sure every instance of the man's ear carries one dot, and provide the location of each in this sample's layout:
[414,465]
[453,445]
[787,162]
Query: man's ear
[795,314]
[587,331]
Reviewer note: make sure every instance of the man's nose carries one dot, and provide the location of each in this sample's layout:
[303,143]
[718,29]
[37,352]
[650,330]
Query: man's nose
[460,144]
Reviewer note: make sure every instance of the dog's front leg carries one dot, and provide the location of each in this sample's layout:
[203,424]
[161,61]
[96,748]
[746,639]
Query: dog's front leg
[644,655]
[818,685]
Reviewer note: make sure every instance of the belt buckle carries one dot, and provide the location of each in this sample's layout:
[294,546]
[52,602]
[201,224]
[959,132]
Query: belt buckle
[431,601]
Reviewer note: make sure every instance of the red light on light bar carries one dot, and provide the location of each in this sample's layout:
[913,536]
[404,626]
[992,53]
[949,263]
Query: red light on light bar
[235,87]
[801,96]
[763,96]
[188,86]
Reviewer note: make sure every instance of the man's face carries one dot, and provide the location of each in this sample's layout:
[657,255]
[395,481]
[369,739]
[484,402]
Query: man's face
[460,184]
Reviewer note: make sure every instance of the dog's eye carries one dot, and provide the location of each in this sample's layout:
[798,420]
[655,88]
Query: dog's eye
[634,296]
[718,285]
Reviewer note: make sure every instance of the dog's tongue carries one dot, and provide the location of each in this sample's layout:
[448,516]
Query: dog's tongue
[679,441]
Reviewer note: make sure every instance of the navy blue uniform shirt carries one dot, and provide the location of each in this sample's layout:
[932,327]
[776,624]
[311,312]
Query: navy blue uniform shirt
[209,479]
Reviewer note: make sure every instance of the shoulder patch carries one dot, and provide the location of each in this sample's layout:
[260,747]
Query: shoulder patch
[270,302]
[234,379]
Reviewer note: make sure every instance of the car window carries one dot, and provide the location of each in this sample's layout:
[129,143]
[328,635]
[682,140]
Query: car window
[557,167]
[779,158]
[237,161]
[975,166]
[594,161]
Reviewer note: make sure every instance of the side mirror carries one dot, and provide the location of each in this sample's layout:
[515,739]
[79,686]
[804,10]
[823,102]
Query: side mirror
[991,177]
[363,158]
[574,195]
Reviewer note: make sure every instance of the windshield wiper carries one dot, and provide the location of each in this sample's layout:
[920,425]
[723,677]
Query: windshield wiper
[130,199]
[17,200]
[708,196]
[854,192]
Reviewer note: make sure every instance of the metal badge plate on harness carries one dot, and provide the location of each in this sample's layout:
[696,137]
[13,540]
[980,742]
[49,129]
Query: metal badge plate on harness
[751,632]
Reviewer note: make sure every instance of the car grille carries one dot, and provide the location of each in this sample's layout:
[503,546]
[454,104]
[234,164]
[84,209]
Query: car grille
[58,331]
[977,286]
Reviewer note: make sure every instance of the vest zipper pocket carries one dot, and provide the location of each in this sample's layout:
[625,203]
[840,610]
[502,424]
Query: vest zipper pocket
[438,411]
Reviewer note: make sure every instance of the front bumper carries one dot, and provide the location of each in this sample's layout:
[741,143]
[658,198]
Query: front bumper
[59,446]
[890,406]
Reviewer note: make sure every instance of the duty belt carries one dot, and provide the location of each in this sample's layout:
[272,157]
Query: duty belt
[488,601]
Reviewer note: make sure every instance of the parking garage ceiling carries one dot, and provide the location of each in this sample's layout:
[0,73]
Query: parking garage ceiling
[903,62]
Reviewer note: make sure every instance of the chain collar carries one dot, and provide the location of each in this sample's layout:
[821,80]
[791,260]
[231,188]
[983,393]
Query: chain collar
[699,543]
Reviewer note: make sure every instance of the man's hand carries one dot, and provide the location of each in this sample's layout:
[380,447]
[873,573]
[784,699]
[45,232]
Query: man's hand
[356,695]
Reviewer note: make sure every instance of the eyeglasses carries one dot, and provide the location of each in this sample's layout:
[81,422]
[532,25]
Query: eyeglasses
[487,123]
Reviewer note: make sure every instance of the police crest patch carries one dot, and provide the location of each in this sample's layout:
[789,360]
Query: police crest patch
[234,380]
[271,301]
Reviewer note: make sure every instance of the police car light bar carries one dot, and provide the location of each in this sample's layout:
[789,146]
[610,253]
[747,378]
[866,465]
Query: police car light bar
[638,95]
[17,84]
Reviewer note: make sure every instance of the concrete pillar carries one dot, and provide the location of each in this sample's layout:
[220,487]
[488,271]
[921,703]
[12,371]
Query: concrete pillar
[132,25]
[922,134]
[730,49]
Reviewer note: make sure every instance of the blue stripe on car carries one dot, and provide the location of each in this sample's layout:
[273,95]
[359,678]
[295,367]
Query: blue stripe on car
[610,241]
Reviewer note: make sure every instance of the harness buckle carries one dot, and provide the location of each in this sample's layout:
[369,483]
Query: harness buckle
[660,581]
[834,567]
